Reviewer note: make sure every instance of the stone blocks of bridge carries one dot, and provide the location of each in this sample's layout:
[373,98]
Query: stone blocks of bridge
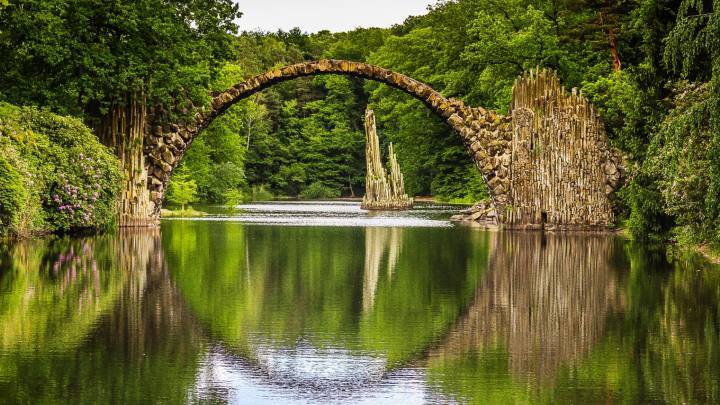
[423,92]
[488,137]
[164,147]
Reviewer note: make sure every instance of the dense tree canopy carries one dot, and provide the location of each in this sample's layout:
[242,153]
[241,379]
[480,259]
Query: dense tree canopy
[81,57]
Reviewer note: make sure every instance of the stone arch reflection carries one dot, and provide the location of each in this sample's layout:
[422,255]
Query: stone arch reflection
[545,299]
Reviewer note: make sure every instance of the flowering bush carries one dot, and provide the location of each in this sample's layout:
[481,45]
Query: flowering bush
[75,196]
[71,178]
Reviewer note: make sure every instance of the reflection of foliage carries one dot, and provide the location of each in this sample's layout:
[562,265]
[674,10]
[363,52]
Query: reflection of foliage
[680,354]
[53,292]
[244,288]
[420,301]
[66,337]
[477,377]
[541,306]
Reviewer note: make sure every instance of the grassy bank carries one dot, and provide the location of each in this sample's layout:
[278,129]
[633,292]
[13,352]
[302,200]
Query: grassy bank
[188,212]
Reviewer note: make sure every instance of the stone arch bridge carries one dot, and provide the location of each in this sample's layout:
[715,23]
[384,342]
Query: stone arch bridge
[546,164]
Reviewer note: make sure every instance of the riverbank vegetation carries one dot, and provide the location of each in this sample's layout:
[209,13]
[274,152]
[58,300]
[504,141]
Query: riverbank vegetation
[55,176]
[650,67]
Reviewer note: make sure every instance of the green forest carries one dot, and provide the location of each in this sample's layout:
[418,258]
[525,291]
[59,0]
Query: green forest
[651,67]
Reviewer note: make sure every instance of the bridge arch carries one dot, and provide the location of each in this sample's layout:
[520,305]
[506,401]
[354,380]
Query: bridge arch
[486,134]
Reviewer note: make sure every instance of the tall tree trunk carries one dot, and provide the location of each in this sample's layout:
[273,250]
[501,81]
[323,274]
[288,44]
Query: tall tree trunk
[249,132]
[123,129]
[352,191]
[617,64]
[612,41]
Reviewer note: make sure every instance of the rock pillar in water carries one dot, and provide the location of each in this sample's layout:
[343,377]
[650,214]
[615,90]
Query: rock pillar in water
[382,191]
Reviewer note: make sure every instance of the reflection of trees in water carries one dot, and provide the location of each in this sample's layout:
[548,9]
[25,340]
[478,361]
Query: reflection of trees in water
[151,339]
[102,320]
[280,285]
[55,290]
[379,243]
[132,339]
[671,332]
[545,299]
[150,316]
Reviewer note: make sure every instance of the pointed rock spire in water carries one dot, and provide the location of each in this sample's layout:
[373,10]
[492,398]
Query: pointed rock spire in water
[382,191]
[397,181]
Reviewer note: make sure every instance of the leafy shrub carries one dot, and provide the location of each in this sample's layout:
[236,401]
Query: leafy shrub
[233,197]
[648,219]
[182,190]
[224,177]
[20,211]
[260,193]
[72,182]
[629,108]
[317,191]
[12,195]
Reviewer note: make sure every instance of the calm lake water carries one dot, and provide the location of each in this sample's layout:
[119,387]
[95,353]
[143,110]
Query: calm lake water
[324,303]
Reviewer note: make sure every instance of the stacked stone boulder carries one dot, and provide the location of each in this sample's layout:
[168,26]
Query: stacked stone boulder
[487,136]
[482,213]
